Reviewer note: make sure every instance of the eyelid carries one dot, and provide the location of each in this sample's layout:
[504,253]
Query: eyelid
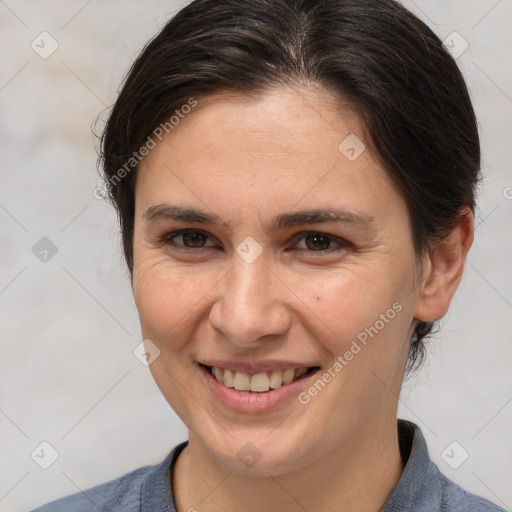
[343,244]
[173,234]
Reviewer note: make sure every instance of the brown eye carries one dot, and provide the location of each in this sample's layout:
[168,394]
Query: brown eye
[187,240]
[193,239]
[317,242]
[320,243]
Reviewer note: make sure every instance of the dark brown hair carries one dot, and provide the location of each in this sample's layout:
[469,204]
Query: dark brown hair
[374,53]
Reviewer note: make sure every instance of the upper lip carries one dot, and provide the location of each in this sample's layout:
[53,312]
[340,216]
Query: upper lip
[256,367]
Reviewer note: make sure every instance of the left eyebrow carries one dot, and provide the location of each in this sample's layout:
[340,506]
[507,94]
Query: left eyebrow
[319,216]
[282,221]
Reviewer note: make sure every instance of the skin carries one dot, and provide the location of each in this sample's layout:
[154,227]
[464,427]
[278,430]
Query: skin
[245,160]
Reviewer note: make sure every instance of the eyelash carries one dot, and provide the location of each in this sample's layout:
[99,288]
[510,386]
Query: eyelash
[343,245]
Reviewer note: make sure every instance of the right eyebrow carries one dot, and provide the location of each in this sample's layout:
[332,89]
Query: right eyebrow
[180,213]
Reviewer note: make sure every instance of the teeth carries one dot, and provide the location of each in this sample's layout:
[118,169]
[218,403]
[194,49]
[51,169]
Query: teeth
[229,377]
[300,372]
[276,379]
[260,382]
[242,381]
[288,376]
[218,374]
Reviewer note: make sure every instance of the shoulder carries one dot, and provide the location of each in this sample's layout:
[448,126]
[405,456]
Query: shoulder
[120,494]
[422,487]
[457,499]
[146,488]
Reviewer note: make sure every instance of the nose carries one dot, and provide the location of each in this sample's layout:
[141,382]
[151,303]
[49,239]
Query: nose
[251,305]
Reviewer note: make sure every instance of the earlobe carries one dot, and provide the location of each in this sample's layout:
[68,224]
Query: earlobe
[443,269]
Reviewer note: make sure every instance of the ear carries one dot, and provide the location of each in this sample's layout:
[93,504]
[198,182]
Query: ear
[442,270]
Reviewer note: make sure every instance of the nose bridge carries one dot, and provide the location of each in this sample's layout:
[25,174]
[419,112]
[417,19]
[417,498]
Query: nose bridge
[248,307]
[251,285]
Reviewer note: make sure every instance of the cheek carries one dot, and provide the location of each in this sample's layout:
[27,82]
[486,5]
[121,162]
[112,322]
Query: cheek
[166,297]
[364,304]
[366,312]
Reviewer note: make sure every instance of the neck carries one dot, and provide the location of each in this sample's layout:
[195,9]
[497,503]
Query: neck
[359,474]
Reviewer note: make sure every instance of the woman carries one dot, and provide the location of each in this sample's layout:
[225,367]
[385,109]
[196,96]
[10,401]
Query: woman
[295,183]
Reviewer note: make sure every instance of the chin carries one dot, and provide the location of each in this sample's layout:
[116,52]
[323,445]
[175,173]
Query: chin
[257,454]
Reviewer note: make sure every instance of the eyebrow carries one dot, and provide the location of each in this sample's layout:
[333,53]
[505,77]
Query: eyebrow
[284,220]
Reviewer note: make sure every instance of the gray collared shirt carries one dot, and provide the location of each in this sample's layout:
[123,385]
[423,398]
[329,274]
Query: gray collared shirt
[422,488]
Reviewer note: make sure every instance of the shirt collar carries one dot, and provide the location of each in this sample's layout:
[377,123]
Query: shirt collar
[156,491]
[419,487]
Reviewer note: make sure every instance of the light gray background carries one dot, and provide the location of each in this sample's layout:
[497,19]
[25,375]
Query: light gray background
[69,326]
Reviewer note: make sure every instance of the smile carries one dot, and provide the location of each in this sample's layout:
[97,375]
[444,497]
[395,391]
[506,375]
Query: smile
[255,393]
[259,382]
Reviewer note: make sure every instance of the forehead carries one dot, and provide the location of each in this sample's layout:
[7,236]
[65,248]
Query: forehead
[277,149]
[287,121]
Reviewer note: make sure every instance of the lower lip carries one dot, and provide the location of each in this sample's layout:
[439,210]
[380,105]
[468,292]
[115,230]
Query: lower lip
[252,402]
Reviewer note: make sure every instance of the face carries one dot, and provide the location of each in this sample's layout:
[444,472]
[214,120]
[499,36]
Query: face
[261,245]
